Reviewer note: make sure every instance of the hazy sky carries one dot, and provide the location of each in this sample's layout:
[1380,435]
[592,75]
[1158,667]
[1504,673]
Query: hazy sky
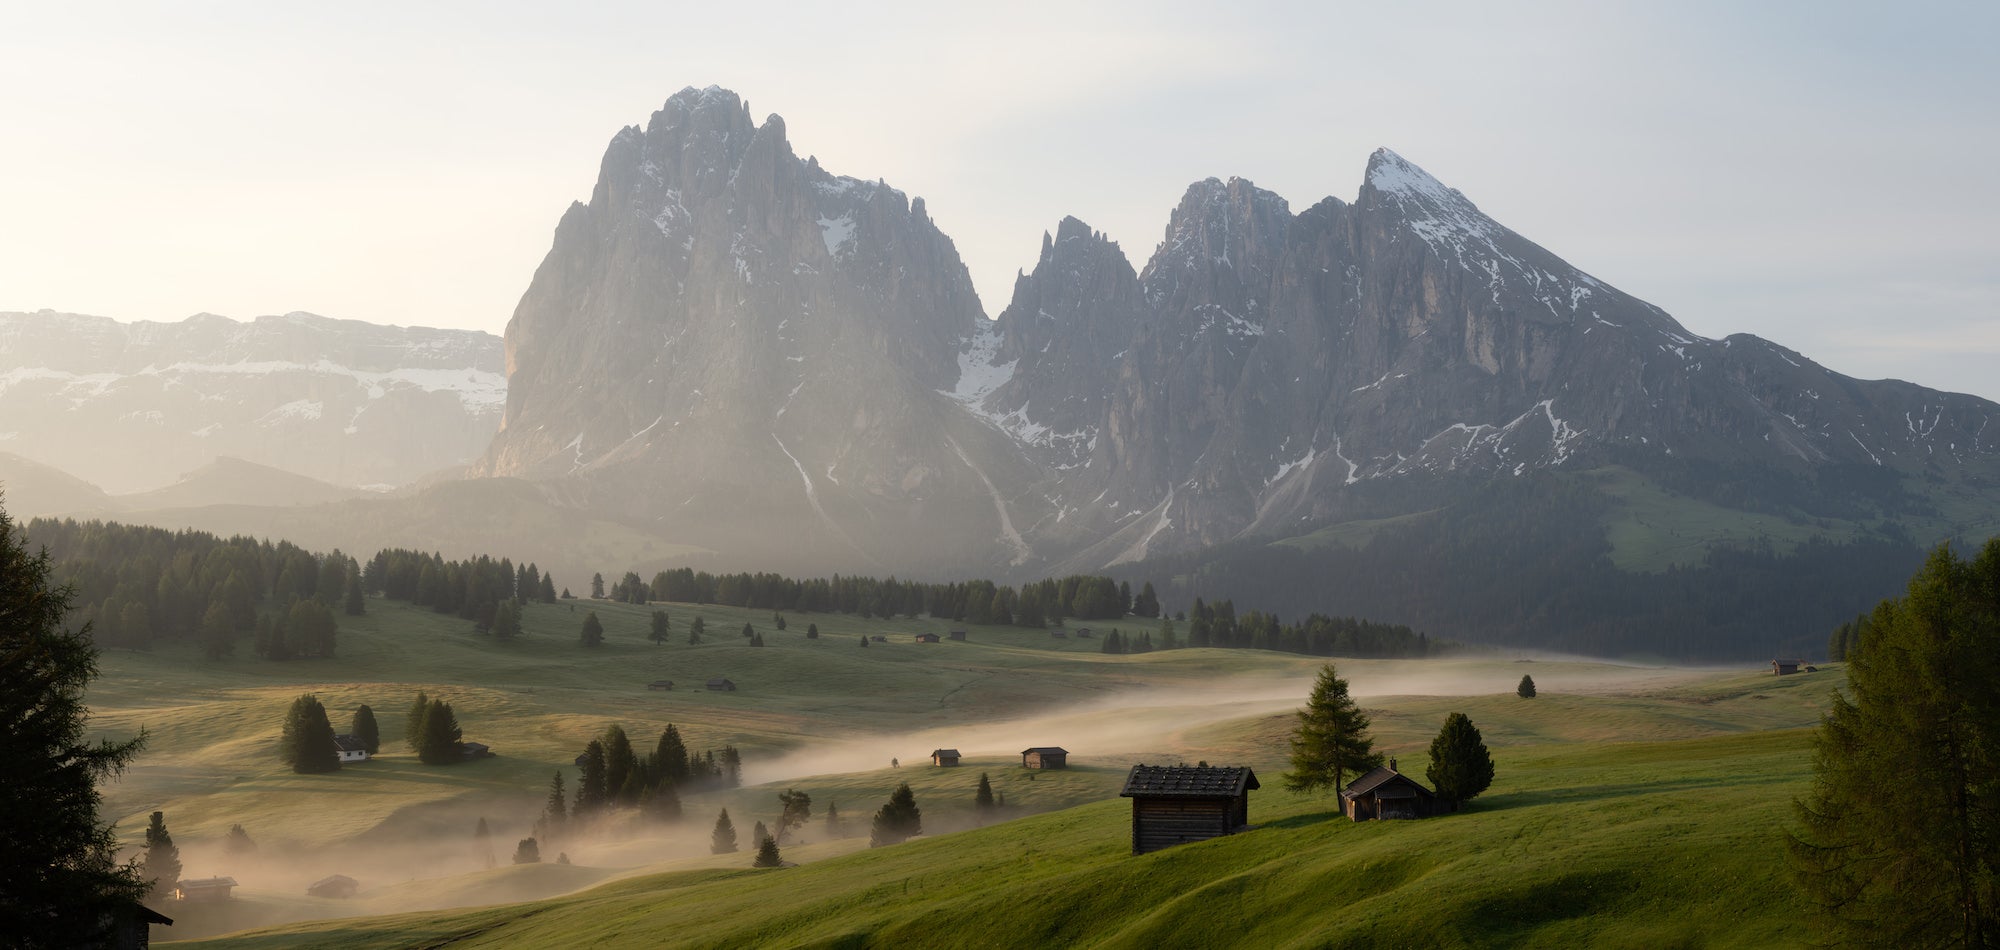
[1817,173]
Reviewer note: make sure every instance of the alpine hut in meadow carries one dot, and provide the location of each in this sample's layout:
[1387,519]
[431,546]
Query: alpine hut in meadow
[1175,804]
[350,748]
[944,757]
[1387,793]
[205,889]
[958,635]
[927,638]
[722,684]
[1045,757]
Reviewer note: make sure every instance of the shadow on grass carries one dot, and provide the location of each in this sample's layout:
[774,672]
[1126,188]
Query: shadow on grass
[1585,793]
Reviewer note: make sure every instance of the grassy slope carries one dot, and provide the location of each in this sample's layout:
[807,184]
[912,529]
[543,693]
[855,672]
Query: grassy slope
[1615,793]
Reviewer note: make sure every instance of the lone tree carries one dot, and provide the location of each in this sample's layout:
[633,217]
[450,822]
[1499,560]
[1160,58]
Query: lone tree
[439,745]
[812,631]
[723,839]
[1332,739]
[898,820]
[366,730]
[1898,835]
[1461,767]
[1527,688]
[767,855]
[593,629]
[695,630]
[798,806]
[61,874]
[239,841]
[983,799]
[527,852]
[161,866]
[413,721]
[307,743]
[660,628]
[506,622]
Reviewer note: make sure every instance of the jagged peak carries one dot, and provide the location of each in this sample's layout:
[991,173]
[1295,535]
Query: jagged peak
[1393,174]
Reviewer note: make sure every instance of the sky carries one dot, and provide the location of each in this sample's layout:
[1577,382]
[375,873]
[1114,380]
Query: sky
[1820,174]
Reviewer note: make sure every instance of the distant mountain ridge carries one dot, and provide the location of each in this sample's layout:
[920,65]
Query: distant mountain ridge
[341,401]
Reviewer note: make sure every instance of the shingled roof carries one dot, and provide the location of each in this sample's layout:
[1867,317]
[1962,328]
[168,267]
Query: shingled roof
[1191,781]
[1376,778]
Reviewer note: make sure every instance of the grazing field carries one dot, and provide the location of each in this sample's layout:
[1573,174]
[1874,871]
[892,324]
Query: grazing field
[1622,791]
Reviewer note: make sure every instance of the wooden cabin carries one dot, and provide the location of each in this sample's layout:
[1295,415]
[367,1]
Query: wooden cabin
[1045,757]
[205,889]
[958,635]
[1784,667]
[1177,804]
[928,638]
[721,684]
[337,886]
[944,757]
[350,748]
[660,684]
[474,750]
[878,638]
[128,928]
[1083,633]
[1058,635]
[1387,793]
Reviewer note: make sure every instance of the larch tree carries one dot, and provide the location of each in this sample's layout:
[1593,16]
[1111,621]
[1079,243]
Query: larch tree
[983,799]
[1526,690]
[440,745]
[1898,840]
[661,627]
[413,722]
[767,855]
[366,730]
[593,629]
[307,741]
[1331,741]
[723,839]
[1461,767]
[898,820]
[161,865]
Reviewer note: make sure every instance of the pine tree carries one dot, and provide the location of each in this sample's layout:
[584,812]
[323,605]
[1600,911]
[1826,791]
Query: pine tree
[778,620]
[660,628]
[833,827]
[812,631]
[1898,836]
[723,839]
[527,852]
[593,631]
[355,602]
[758,834]
[548,589]
[1331,741]
[592,791]
[482,838]
[161,866]
[670,757]
[366,730]
[440,742]
[1461,767]
[662,802]
[413,722]
[555,814]
[696,629]
[1527,688]
[899,819]
[983,799]
[307,742]
[218,631]
[506,622]
[864,639]
[597,587]
[767,855]
[620,767]
[749,631]
[238,841]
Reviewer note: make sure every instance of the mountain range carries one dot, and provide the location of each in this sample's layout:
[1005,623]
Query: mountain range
[767,365]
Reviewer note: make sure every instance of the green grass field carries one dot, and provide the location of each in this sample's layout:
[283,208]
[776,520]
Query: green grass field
[1633,806]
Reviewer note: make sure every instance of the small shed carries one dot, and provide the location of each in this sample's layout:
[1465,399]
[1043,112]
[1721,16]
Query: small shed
[337,886]
[945,757]
[350,748]
[474,750]
[1083,633]
[928,638]
[721,684]
[1387,793]
[1176,804]
[130,927]
[878,638]
[956,635]
[205,889]
[1058,635]
[1784,667]
[660,684]
[1045,757]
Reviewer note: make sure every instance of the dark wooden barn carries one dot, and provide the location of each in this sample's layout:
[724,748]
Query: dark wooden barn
[1045,757]
[945,757]
[957,635]
[927,638]
[1784,667]
[1176,804]
[660,684]
[722,685]
[1387,793]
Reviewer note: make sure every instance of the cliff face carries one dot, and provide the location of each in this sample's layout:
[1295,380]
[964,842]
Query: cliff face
[746,352]
[735,346]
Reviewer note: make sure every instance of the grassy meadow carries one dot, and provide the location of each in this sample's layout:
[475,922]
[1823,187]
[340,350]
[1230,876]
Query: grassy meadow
[1633,806]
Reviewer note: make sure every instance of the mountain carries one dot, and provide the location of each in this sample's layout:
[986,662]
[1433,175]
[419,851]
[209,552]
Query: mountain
[29,489]
[744,351]
[231,481]
[342,401]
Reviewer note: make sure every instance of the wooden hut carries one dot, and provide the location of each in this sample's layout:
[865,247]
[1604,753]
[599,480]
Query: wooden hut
[1784,667]
[721,684]
[1387,793]
[475,750]
[958,635]
[1083,633]
[661,684]
[129,928]
[927,638]
[350,748]
[944,757]
[205,889]
[1045,757]
[1058,635]
[1176,804]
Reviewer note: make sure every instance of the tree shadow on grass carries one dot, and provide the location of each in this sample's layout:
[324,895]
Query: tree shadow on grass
[1588,793]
